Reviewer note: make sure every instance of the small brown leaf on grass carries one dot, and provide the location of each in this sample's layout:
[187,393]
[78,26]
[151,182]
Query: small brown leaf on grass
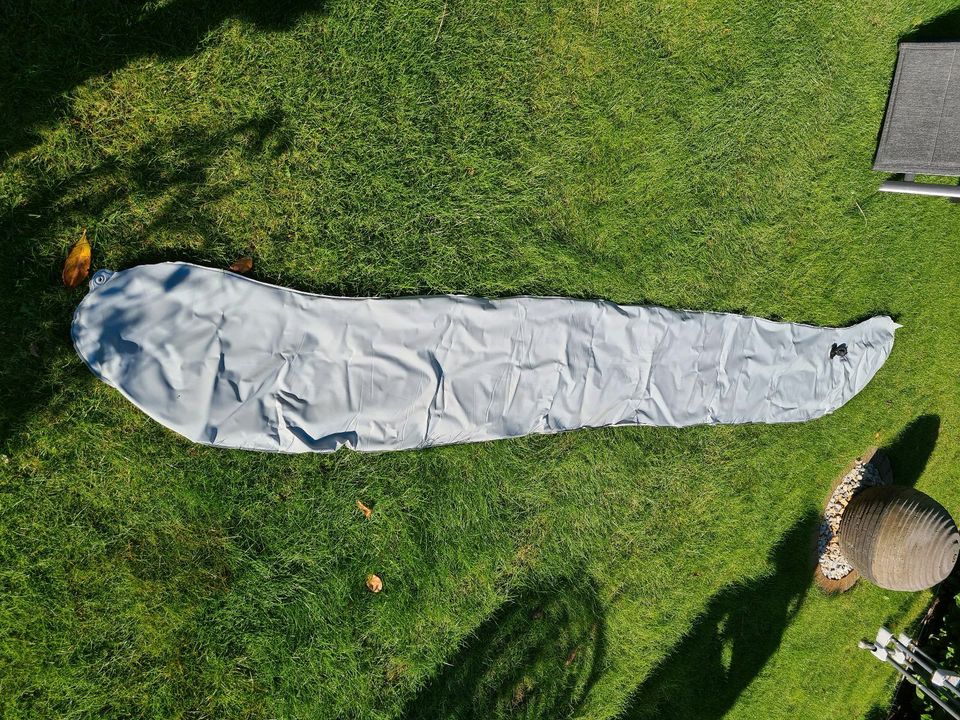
[77,266]
[374,583]
[396,669]
[367,512]
[571,657]
[520,692]
[243,265]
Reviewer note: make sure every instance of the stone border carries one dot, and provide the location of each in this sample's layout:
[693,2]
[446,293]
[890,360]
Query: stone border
[828,558]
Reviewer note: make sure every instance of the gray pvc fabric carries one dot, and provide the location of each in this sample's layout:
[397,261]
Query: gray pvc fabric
[228,361]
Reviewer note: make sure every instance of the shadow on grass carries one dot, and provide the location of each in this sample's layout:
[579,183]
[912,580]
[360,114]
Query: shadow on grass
[943,28]
[731,642]
[537,657]
[911,449]
[49,47]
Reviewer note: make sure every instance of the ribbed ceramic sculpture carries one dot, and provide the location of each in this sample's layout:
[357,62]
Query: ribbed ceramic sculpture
[898,538]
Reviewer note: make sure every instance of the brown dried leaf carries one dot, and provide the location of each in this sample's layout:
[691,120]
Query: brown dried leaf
[520,692]
[374,583]
[367,512]
[396,669]
[243,265]
[77,266]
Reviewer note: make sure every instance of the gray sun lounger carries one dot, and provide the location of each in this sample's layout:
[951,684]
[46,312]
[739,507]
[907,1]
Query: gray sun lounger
[921,132]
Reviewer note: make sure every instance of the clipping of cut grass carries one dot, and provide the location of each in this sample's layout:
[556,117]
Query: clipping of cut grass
[711,155]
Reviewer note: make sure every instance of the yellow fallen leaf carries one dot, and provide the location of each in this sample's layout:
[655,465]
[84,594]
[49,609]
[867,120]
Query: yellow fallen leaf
[77,266]
[364,509]
[374,583]
[243,265]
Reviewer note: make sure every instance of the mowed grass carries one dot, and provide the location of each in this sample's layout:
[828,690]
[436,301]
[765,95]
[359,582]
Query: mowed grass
[707,154]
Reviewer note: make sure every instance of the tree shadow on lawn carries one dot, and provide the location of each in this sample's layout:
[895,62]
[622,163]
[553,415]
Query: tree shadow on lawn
[536,657]
[48,48]
[743,625]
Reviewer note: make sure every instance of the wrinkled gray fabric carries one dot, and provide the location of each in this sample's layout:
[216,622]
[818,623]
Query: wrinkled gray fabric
[228,361]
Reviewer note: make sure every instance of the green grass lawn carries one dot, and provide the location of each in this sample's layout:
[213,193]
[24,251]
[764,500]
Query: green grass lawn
[704,154]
